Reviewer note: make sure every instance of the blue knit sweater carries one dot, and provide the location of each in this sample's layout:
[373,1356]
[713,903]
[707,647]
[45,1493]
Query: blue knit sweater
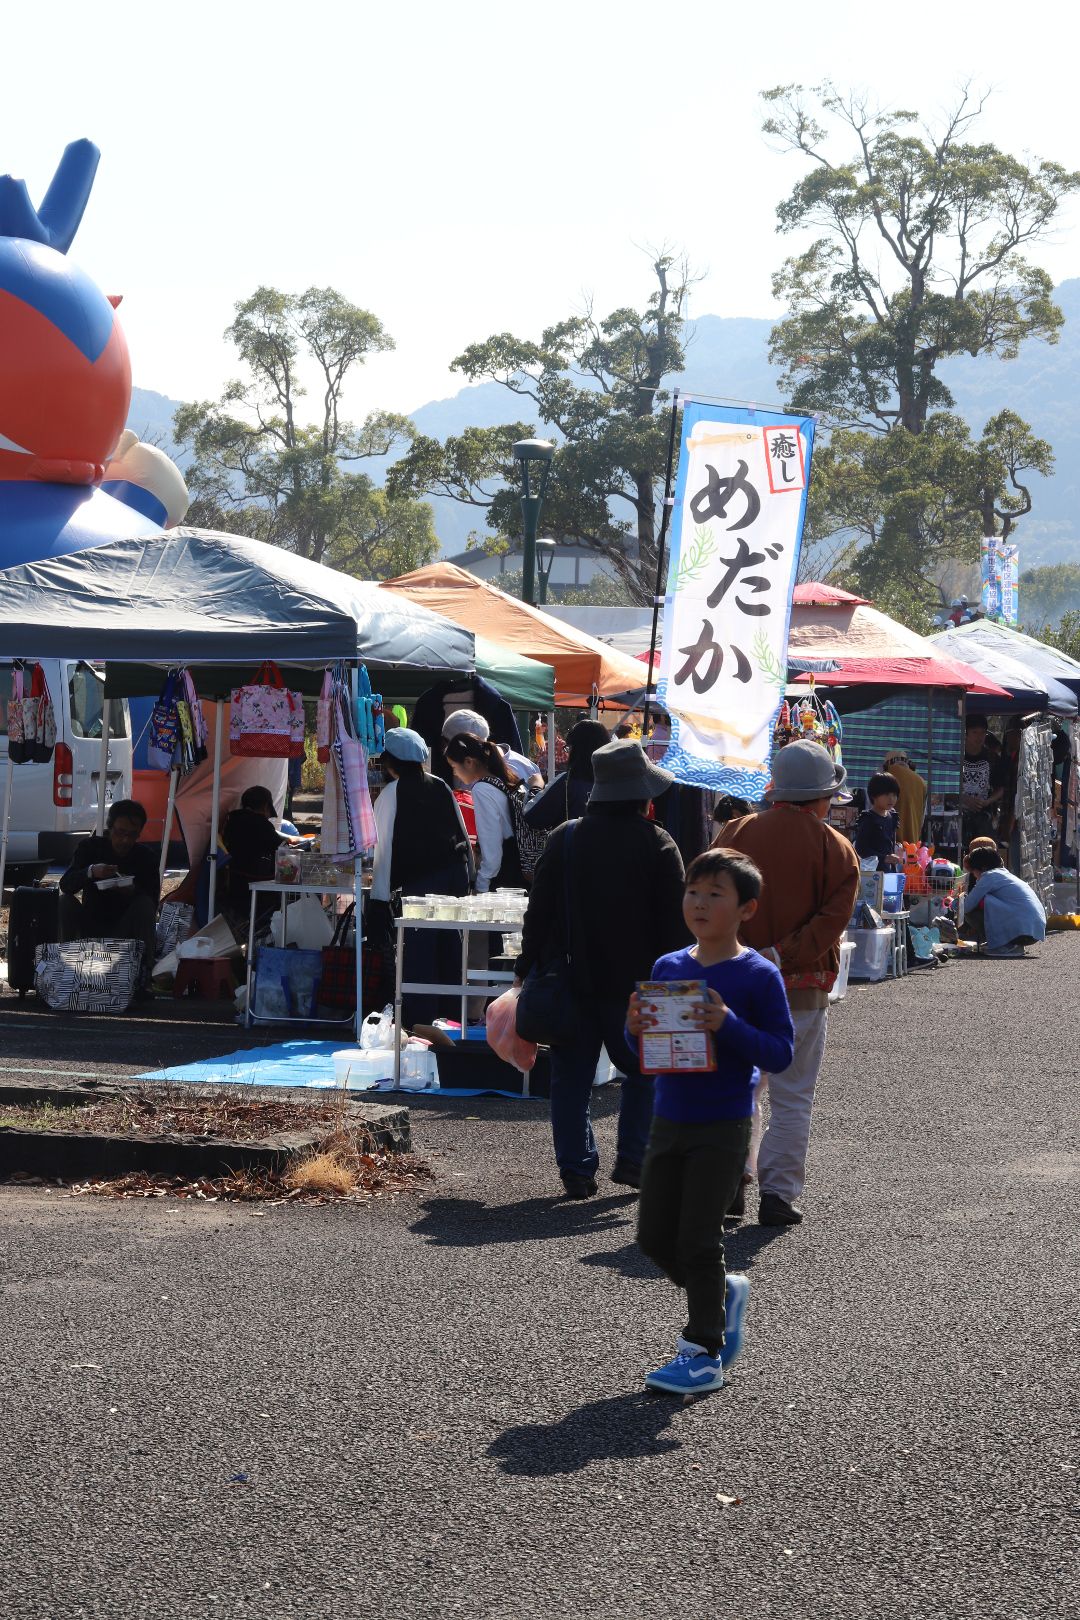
[756,1034]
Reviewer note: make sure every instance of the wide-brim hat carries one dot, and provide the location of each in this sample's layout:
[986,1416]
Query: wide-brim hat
[802,772]
[622,770]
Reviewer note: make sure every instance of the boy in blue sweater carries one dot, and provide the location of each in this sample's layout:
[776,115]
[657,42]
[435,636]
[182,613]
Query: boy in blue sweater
[701,1122]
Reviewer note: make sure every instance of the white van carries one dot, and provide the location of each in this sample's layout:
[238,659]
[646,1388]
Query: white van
[54,805]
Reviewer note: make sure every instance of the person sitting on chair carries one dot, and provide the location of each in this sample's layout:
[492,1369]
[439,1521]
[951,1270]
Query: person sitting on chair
[252,841]
[93,905]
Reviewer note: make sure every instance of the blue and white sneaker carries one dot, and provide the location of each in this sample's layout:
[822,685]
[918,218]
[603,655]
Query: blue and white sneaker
[736,1299]
[691,1371]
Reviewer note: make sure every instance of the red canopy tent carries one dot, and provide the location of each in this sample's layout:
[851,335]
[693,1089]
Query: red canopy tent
[864,647]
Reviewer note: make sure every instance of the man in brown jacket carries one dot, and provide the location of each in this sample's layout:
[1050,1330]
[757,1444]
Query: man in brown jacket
[811,879]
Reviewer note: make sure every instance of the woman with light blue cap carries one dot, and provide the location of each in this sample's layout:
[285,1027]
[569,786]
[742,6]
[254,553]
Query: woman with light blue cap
[421,847]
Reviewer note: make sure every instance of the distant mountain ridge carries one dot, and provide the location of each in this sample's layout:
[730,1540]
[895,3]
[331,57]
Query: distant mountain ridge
[727,358]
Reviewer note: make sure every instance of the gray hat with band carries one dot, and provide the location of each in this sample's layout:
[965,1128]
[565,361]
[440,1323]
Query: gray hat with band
[622,770]
[802,772]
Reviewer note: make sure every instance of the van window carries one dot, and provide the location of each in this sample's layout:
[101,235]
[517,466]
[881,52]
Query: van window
[86,694]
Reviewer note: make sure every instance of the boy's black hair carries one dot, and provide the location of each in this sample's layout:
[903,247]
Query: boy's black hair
[729,808]
[255,798]
[984,860]
[882,783]
[744,873]
[126,810]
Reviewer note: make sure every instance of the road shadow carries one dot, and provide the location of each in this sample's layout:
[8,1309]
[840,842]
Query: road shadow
[741,1248]
[630,1425]
[468,1223]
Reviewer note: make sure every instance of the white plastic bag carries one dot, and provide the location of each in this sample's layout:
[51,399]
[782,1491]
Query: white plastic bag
[377,1031]
[306,924]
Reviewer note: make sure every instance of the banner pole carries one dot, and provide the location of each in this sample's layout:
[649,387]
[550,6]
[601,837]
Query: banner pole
[665,523]
[8,777]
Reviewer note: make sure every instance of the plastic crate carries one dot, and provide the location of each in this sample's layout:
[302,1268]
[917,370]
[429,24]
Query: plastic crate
[840,988]
[872,956]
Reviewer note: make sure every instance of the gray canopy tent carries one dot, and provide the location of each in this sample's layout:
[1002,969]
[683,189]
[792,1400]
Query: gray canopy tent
[219,605]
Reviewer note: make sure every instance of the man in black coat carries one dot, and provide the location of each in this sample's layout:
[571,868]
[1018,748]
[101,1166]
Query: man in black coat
[626,891]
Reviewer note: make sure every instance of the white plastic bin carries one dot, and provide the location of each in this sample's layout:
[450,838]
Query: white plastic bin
[359,1070]
[871,957]
[839,989]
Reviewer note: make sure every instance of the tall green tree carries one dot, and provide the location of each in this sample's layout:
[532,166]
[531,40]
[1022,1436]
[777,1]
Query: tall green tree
[600,385]
[261,467]
[919,256]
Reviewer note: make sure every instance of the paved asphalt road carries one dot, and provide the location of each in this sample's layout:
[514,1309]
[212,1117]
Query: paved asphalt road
[438,1407]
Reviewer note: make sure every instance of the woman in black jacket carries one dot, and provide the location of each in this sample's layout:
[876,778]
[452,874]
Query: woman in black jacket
[568,794]
[626,892]
[421,848]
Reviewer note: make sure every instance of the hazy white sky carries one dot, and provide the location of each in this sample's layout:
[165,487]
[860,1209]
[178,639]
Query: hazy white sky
[469,168]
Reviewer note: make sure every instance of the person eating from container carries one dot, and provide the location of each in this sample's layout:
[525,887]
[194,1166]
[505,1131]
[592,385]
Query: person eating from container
[111,888]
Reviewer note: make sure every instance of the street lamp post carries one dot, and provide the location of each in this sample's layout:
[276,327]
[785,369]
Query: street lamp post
[534,454]
[545,556]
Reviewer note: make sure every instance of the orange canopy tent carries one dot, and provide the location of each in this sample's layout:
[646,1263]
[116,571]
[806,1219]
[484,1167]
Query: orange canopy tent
[582,665]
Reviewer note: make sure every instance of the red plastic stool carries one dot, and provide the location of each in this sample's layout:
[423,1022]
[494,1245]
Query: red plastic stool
[211,978]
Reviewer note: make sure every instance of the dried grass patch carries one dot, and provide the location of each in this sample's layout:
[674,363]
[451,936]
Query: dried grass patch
[346,1168]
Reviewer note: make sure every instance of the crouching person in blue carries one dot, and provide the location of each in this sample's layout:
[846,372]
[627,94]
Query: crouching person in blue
[1009,911]
[701,1122]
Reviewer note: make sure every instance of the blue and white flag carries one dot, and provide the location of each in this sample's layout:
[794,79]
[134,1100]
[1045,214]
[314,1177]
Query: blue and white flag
[736,529]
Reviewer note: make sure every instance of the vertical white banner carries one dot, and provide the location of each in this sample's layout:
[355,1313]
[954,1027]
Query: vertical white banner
[736,530]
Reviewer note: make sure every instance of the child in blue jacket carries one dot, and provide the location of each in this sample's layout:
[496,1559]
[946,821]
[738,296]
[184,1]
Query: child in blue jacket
[701,1122]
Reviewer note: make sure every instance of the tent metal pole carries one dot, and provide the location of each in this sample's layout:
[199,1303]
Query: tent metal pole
[8,775]
[358,868]
[215,807]
[103,763]
[661,539]
[167,831]
[930,762]
[551,745]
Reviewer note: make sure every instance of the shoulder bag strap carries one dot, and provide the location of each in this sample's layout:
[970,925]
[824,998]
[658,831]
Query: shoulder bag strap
[568,852]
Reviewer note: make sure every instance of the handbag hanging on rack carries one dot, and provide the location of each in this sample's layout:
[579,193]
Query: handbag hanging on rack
[266,720]
[165,732]
[31,720]
[337,987]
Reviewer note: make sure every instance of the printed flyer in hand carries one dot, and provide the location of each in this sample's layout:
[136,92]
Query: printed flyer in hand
[673,1042]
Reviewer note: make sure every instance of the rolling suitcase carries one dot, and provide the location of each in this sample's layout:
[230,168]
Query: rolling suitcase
[34,919]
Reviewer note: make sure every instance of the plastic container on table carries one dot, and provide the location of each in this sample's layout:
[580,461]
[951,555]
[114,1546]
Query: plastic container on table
[892,897]
[871,957]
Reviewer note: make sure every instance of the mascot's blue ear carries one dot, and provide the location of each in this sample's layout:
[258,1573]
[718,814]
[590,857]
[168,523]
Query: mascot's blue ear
[53,224]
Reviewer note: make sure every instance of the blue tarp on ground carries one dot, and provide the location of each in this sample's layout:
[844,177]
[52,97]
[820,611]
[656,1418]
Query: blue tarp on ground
[292,1063]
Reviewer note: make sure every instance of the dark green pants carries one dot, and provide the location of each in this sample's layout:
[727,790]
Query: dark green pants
[690,1175]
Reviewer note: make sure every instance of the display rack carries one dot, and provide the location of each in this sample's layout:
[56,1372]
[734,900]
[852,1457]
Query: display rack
[473,982]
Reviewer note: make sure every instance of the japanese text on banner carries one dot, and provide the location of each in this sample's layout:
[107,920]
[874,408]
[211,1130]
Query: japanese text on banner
[1000,580]
[740,499]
